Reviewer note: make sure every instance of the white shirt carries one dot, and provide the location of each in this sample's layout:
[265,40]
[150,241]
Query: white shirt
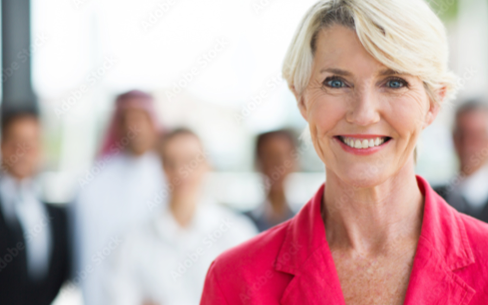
[166,264]
[118,193]
[475,188]
[20,201]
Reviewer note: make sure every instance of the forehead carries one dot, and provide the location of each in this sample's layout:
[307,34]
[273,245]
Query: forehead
[181,145]
[22,124]
[131,111]
[276,140]
[338,46]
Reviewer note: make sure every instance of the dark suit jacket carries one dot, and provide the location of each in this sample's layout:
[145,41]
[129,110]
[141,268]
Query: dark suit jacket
[464,206]
[16,288]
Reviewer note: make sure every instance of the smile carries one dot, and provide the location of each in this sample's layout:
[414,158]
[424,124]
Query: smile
[363,144]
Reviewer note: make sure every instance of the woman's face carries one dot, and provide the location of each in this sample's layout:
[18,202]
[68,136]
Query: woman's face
[354,100]
[184,163]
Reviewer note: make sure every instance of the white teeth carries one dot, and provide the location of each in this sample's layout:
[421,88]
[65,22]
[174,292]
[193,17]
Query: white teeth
[363,143]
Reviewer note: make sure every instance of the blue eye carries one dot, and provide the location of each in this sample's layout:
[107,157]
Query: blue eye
[335,83]
[396,84]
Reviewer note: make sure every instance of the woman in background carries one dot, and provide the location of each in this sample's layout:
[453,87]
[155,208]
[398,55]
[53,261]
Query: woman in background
[276,158]
[114,195]
[165,260]
[369,76]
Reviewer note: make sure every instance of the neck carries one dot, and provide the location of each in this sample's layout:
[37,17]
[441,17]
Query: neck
[135,153]
[372,220]
[183,205]
[18,178]
[276,196]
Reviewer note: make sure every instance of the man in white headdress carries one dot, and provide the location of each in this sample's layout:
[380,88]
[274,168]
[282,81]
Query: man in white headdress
[114,193]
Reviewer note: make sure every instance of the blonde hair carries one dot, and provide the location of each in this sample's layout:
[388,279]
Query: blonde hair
[404,35]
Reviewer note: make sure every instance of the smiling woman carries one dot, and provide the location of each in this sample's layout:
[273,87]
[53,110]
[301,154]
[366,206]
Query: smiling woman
[369,76]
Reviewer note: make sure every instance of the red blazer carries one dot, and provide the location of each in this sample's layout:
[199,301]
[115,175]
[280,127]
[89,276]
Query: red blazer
[292,264]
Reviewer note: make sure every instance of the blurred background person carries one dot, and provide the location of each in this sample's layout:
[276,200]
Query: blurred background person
[165,261]
[276,158]
[34,260]
[468,192]
[113,198]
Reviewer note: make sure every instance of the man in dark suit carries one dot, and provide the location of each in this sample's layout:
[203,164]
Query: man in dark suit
[34,260]
[468,192]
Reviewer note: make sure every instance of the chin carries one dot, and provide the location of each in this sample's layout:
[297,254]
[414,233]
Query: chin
[138,150]
[22,174]
[365,175]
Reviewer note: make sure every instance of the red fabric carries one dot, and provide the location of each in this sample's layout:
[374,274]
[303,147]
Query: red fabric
[292,264]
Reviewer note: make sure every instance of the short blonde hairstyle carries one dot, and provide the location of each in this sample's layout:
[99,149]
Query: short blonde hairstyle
[404,35]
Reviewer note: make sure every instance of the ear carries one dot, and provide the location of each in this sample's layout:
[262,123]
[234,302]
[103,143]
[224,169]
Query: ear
[300,102]
[432,113]
[435,107]
[441,94]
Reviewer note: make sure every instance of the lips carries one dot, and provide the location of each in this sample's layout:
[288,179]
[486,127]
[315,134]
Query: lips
[363,142]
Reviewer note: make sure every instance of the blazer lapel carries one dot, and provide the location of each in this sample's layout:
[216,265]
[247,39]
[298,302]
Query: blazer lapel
[318,283]
[431,282]
[306,255]
[443,248]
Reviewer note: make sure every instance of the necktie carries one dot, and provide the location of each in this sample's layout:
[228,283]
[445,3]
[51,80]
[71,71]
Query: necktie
[35,225]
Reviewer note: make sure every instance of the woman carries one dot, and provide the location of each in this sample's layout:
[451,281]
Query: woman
[276,160]
[164,260]
[369,76]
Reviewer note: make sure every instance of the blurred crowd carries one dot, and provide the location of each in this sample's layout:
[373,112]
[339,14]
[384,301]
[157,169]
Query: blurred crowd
[142,230]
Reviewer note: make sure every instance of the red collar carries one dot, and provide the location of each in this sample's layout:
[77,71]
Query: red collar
[443,248]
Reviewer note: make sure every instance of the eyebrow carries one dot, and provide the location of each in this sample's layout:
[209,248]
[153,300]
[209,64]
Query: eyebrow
[336,71]
[385,72]
[388,72]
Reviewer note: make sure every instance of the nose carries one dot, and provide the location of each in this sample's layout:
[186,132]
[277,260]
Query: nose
[363,108]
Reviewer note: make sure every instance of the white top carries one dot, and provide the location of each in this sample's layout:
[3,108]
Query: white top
[475,188]
[118,193]
[20,201]
[166,264]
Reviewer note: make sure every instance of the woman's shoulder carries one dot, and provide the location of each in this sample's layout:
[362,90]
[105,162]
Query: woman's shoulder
[254,256]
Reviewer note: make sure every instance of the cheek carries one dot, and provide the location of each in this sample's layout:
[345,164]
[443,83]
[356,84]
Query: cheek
[34,155]
[407,115]
[326,113]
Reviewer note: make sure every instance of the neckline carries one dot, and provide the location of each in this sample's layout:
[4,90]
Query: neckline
[442,248]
